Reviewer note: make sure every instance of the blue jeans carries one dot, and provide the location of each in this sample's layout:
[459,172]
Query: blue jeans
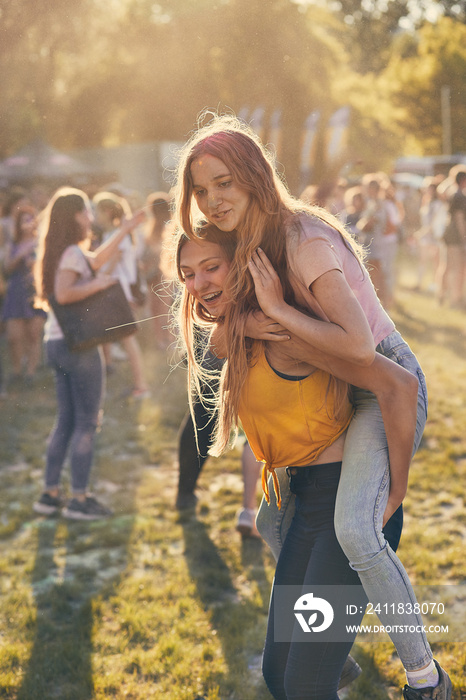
[311,555]
[79,381]
[359,508]
[273,524]
[360,505]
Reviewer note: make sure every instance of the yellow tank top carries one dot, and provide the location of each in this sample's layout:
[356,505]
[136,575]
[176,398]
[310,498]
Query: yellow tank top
[288,422]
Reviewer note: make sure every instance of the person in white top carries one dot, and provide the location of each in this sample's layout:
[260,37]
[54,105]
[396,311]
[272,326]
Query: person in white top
[110,211]
[434,218]
[395,215]
[65,269]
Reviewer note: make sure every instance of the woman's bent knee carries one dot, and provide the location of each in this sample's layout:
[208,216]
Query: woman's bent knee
[358,539]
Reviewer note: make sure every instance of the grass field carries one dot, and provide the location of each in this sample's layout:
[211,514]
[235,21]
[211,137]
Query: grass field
[151,605]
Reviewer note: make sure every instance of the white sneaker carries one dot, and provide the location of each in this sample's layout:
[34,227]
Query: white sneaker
[246,523]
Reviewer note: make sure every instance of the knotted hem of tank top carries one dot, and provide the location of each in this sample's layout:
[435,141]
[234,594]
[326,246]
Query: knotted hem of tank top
[266,469]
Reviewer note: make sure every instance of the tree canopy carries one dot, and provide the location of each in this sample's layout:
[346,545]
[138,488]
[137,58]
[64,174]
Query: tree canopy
[89,73]
[436,60]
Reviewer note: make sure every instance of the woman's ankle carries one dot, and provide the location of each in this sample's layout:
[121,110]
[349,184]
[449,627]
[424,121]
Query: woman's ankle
[54,492]
[81,497]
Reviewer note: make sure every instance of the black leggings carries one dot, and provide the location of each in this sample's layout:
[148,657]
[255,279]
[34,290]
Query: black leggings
[311,555]
[190,459]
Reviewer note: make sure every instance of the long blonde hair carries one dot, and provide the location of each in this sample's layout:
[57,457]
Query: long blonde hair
[194,324]
[271,212]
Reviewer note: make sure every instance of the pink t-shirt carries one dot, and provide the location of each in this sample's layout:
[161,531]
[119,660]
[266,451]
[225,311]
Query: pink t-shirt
[313,248]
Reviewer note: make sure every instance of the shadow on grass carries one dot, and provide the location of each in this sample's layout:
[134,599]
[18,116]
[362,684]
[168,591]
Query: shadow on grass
[413,326]
[60,662]
[71,565]
[252,558]
[233,618]
[370,683]
[74,563]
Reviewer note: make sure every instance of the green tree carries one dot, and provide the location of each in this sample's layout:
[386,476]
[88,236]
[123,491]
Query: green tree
[370,29]
[163,67]
[374,25]
[92,74]
[414,84]
[33,35]
[455,9]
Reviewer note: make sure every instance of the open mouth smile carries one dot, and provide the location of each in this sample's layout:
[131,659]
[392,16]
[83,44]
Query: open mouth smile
[209,298]
[221,214]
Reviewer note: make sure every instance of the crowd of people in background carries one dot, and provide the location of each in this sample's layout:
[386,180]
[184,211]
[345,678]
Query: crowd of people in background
[53,244]
[428,223]
[137,266]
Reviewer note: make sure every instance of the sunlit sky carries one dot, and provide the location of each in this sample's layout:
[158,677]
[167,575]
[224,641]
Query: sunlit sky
[430,9]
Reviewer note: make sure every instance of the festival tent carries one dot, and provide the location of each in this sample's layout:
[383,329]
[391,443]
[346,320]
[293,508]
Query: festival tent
[39,161]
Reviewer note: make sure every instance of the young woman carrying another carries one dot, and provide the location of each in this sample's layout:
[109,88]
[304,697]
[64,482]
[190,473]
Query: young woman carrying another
[227,172]
[308,431]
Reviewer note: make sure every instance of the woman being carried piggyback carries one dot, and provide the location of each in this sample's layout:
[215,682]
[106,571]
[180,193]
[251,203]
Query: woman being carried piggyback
[226,171]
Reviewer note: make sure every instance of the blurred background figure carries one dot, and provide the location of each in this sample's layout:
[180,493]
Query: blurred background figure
[24,322]
[251,469]
[110,211]
[15,199]
[371,226]
[192,456]
[392,234]
[159,298]
[40,195]
[320,194]
[3,250]
[66,269]
[433,215]
[336,204]
[194,441]
[354,207]
[453,272]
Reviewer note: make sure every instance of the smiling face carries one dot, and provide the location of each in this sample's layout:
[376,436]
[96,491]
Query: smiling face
[205,267]
[218,197]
